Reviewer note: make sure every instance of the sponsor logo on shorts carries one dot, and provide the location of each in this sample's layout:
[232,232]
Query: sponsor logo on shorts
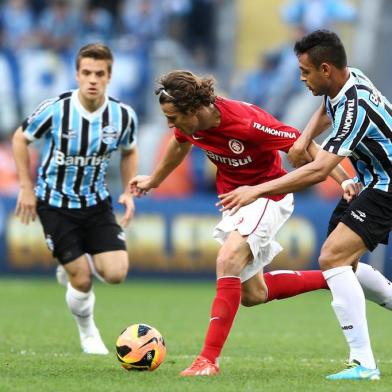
[121,236]
[240,220]
[356,216]
[361,214]
[236,146]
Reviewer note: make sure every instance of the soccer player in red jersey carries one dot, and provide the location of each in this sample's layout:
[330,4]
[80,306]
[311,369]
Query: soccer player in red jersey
[243,141]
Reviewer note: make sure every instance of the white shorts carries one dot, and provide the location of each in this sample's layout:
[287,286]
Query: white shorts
[260,221]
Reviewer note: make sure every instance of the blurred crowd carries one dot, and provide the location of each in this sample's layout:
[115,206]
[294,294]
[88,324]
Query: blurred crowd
[63,25]
[39,39]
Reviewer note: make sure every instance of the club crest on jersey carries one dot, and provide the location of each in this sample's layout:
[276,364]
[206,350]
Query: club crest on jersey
[109,134]
[236,146]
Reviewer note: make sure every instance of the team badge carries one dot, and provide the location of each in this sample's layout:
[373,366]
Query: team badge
[236,146]
[109,134]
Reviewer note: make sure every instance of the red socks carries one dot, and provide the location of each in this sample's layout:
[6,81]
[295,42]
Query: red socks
[285,284]
[281,284]
[223,311]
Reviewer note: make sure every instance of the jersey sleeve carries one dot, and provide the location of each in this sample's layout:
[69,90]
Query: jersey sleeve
[129,128]
[350,126]
[179,136]
[40,121]
[275,134]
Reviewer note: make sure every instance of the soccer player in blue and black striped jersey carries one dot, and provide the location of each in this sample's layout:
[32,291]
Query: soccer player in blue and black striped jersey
[361,120]
[80,129]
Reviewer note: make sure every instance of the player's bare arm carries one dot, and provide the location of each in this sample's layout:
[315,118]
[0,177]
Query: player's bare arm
[27,201]
[351,189]
[174,155]
[298,154]
[128,167]
[309,174]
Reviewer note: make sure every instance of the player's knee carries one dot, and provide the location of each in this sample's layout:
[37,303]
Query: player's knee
[226,264]
[327,259]
[116,275]
[249,299]
[81,282]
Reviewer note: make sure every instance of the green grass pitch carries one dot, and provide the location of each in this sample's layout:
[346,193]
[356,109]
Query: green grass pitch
[286,345]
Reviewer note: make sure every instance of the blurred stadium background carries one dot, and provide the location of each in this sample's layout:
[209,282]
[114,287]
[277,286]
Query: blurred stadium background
[245,44]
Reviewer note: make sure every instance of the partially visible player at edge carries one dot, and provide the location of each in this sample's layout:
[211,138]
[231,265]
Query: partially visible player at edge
[361,119]
[243,141]
[81,129]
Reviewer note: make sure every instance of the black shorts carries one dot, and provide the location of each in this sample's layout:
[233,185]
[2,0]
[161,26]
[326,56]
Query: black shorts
[369,215]
[70,233]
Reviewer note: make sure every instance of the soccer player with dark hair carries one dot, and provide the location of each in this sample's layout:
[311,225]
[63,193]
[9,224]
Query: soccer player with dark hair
[361,119]
[80,129]
[243,141]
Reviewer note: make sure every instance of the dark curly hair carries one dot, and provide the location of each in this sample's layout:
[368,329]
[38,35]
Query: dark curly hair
[186,91]
[322,46]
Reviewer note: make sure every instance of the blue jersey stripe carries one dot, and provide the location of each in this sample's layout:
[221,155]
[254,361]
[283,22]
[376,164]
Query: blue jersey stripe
[77,148]
[362,128]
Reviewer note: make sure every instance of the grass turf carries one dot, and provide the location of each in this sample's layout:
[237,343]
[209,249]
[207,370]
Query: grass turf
[286,345]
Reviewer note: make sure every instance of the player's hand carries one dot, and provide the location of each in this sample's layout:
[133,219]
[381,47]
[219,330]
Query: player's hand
[140,185]
[237,198]
[298,154]
[126,199]
[26,205]
[352,191]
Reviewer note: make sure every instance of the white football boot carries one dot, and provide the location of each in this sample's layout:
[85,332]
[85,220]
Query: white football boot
[93,344]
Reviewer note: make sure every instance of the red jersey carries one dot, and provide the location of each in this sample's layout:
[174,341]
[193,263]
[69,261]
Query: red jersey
[245,146]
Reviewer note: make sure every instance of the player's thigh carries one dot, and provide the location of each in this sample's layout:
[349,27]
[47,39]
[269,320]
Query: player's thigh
[62,234]
[103,234]
[234,255]
[112,265]
[254,290]
[342,247]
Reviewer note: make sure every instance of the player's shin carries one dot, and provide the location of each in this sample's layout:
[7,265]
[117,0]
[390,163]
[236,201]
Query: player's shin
[81,306]
[285,283]
[350,309]
[223,311]
[376,287]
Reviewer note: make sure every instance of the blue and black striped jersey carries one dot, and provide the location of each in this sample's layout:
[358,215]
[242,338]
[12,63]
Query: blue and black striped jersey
[77,147]
[362,130]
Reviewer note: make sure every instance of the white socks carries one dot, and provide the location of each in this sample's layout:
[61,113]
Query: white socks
[81,306]
[376,286]
[350,309]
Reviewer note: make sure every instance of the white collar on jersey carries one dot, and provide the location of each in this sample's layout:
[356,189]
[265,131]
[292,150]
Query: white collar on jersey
[350,82]
[85,113]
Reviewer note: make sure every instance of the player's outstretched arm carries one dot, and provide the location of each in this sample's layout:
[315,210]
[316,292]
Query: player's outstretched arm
[27,201]
[299,154]
[351,189]
[173,156]
[298,179]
